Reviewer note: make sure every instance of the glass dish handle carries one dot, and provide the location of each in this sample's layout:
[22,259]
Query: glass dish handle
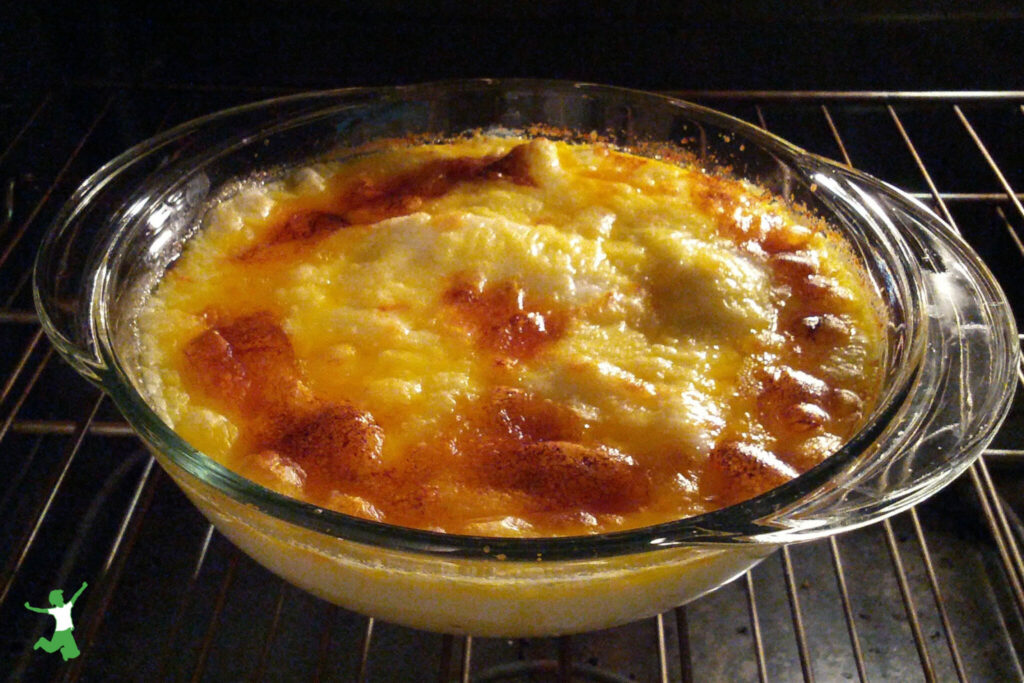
[963,388]
[65,275]
[75,269]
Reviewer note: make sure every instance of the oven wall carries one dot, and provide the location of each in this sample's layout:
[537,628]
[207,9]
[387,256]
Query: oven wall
[798,44]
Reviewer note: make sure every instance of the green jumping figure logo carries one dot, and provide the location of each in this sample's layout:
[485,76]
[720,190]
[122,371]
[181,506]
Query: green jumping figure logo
[62,639]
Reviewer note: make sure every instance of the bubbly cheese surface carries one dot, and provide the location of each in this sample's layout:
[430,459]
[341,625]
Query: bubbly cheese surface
[502,336]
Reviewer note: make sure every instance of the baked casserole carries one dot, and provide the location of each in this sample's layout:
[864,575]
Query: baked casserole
[498,335]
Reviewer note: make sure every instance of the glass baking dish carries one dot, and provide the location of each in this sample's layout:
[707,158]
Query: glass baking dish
[949,373]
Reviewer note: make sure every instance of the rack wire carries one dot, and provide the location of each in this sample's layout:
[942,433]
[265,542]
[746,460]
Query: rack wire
[936,593]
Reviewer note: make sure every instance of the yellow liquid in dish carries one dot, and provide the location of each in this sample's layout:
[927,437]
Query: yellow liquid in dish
[507,337]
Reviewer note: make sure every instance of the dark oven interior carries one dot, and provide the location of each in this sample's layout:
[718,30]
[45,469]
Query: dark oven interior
[936,593]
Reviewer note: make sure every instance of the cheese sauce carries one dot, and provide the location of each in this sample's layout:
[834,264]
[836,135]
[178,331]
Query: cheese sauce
[507,337]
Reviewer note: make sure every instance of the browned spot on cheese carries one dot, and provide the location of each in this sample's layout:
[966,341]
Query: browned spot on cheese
[407,501]
[793,267]
[521,416]
[737,470]
[333,443]
[304,225]
[503,319]
[247,363]
[744,219]
[566,477]
[367,200]
[514,167]
[779,235]
[812,292]
[796,406]
[247,367]
[826,329]
[791,401]
[212,368]
[802,417]
[784,385]
[299,227]
[846,402]
[518,442]
[718,197]
[847,409]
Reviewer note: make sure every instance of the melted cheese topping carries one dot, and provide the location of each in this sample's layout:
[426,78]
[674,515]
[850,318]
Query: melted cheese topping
[508,337]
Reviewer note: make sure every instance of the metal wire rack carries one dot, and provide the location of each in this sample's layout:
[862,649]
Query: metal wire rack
[936,593]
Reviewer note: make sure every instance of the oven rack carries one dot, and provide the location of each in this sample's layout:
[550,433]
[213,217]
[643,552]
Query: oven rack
[936,593]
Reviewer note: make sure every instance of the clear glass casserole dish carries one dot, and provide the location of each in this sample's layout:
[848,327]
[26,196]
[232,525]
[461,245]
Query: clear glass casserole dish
[949,369]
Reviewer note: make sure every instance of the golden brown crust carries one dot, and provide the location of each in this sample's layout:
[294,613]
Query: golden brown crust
[248,367]
[738,470]
[791,403]
[516,441]
[246,362]
[521,442]
[333,444]
[508,413]
[563,476]
[301,226]
[503,319]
